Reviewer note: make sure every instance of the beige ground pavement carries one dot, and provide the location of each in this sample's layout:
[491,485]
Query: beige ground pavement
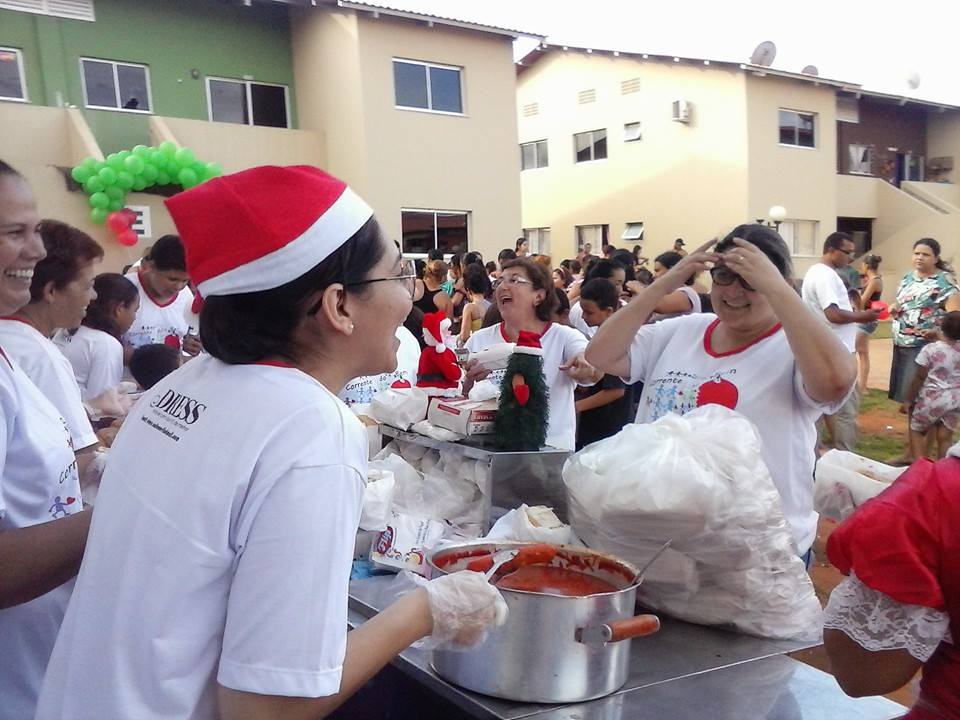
[881,355]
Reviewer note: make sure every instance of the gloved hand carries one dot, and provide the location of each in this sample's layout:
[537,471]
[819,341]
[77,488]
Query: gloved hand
[464,607]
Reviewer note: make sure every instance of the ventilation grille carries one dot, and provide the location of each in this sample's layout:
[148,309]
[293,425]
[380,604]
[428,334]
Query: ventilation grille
[629,86]
[586,96]
[72,9]
[531,109]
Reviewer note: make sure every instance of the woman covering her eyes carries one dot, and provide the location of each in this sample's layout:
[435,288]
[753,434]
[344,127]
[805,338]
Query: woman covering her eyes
[763,354]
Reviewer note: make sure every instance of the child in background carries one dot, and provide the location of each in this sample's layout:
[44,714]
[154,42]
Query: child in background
[149,364]
[477,286]
[933,399]
[604,408]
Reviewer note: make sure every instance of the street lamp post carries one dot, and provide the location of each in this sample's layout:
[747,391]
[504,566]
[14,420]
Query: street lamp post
[775,215]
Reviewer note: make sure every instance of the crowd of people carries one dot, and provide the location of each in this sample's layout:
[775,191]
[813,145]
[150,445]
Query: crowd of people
[214,571]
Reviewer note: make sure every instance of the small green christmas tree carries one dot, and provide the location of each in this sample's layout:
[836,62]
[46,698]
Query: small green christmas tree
[523,411]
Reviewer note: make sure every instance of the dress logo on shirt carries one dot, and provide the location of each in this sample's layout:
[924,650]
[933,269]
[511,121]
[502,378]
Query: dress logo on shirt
[174,408]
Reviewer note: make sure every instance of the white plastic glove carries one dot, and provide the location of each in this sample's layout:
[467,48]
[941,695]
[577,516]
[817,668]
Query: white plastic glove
[464,607]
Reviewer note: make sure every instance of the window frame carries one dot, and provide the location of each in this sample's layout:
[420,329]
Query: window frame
[23,76]
[635,238]
[792,242]
[816,132]
[639,127]
[116,85]
[427,66]
[871,151]
[536,152]
[593,143]
[44,9]
[595,244]
[248,97]
[535,235]
[467,213]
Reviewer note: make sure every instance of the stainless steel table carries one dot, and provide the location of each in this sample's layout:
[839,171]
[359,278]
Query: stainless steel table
[684,671]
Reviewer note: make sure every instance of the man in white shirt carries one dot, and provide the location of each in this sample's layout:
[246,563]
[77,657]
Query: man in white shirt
[827,295]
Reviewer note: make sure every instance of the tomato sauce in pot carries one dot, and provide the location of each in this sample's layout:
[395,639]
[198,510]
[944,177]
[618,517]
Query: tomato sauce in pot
[554,581]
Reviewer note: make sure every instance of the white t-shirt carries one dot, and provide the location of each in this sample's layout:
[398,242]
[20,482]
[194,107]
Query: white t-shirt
[823,287]
[577,321]
[158,323]
[38,483]
[51,372]
[220,550]
[360,391]
[96,357]
[560,344]
[695,305]
[680,372]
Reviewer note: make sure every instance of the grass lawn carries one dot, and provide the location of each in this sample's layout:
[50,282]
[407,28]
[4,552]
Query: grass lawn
[884,331]
[883,430]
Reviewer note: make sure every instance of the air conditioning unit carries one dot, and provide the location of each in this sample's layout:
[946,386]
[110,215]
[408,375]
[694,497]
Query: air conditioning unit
[681,111]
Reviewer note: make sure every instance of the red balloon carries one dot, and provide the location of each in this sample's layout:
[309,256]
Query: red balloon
[128,238]
[118,222]
[130,215]
[882,307]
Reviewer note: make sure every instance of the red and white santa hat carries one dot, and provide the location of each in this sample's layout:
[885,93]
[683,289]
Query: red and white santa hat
[261,228]
[433,326]
[528,343]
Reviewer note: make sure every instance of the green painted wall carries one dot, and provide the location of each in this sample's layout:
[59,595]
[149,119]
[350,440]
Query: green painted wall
[172,37]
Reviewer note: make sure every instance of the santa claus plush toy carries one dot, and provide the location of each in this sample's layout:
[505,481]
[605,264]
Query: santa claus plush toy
[438,363]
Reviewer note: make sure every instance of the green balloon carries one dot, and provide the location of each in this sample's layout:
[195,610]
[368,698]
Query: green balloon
[114,192]
[142,151]
[139,183]
[163,178]
[108,175]
[149,173]
[213,170]
[124,154]
[115,205]
[168,148]
[188,178]
[114,161]
[133,164]
[99,200]
[94,185]
[90,162]
[81,173]
[184,157]
[99,215]
[124,180]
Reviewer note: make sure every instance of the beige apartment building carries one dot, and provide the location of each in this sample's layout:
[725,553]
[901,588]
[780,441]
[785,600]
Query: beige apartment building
[416,112]
[632,149]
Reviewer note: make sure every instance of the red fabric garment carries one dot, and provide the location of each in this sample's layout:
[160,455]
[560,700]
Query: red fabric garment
[438,369]
[905,543]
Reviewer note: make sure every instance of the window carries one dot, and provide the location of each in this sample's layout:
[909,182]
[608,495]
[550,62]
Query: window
[533,155]
[596,235]
[538,239]
[801,237]
[590,145]
[425,230]
[13,86]
[861,159]
[73,9]
[247,102]
[425,86]
[796,128]
[633,231]
[109,85]
[631,132]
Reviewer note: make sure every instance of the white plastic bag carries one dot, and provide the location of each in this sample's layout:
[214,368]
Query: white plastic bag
[399,407]
[531,524]
[700,481]
[484,390]
[845,480]
[377,497]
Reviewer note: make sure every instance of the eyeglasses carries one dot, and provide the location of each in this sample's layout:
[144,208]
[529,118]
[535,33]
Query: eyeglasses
[407,275]
[511,281]
[724,276]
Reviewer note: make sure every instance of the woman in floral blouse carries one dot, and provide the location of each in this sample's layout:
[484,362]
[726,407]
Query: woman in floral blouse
[924,295]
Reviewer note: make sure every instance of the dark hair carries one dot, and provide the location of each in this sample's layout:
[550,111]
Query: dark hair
[249,327]
[563,302]
[872,261]
[505,255]
[167,254]
[472,258]
[625,258]
[644,276]
[541,278]
[456,261]
[113,291]
[68,250]
[150,364]
[602,292]
[950,325]
[934,248]
[419,267]
[604,269]
[6,170]
[520,242]
[490,267]
[835,241]
[575,266]
[565,275]
[608,250]
[434,254]
[669,259]
[475,279]
[765,238]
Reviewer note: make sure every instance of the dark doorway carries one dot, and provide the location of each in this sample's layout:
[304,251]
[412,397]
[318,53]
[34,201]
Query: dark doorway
[860,229]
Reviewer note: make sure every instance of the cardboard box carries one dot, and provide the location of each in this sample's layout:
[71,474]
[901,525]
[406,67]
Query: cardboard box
[462,415]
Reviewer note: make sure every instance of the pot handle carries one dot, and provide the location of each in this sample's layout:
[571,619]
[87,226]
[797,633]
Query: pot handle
[633,627]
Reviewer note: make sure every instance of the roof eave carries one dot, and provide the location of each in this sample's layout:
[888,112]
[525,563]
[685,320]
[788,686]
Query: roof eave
[431,20]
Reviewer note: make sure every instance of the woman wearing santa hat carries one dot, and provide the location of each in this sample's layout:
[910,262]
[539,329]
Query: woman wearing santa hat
[525,297]
[215,578]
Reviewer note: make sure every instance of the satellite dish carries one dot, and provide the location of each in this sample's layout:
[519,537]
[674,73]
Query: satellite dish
[913,80]
[764,54]
[810,70]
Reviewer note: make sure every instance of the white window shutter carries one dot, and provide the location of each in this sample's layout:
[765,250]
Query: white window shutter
[72,9]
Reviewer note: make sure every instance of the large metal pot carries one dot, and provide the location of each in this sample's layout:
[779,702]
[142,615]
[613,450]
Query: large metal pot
[552,649]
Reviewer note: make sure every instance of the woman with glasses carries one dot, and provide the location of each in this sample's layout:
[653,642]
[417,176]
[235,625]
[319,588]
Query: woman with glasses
[763,354]
[215,580]
[526,299]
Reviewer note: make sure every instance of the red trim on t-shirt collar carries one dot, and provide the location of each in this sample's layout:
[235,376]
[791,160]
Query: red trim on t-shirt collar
[16,319]
[506,339]
[275,363]
[708,335]
[146,291]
